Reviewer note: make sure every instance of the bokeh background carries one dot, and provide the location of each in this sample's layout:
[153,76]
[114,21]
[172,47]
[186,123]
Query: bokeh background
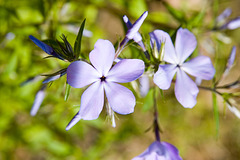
[192,131]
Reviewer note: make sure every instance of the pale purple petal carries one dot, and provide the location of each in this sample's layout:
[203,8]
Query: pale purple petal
[74,121]
[136,26]
[38,101]
[137,37]
[126,70]
[120,98]
[53,78]
[80,74]
[224,15]
[185,90]
[185,44]
[231,59]
[233,24]
[144,85]
[92,101]
[198,81]
[200,67]
[157,147]
[159,151]
[150,156]
[127,22]
[143,155]
[102,56]
[234,110]
[132,33]
[158,37]
[163,77]
[171,151]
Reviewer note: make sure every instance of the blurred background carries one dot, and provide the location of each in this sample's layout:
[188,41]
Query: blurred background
[192,131]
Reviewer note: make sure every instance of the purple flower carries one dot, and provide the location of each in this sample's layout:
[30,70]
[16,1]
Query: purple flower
[223,16]
[159,151]
[185,89]
[230,61]
[38,100]
[132,32]
[222,23]
[103,78]
[232,24]
[137,37]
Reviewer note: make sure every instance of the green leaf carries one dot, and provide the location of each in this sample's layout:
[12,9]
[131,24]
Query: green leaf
[77,44]
[216,113]
[178,15]
[67,92]
[148,101]
[197,20]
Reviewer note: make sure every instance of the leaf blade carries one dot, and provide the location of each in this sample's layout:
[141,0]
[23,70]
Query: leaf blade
[77,44]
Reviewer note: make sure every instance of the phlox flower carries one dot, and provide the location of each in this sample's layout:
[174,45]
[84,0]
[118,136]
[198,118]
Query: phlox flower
[230,61]
[132,32]
[137,37]
[103,78]
[201,67]
[159,151]
[40,95]
[222,22]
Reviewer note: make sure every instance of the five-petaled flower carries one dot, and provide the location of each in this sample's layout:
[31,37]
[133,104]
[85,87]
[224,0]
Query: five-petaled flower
[103,78]
[159,151]
[185,89]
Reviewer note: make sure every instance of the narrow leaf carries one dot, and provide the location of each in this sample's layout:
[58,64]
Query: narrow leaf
[178,15]
[67,92]
[77,44]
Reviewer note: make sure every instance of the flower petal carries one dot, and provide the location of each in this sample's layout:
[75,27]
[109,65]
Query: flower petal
[126,70]
[38,101]
[135,27]
[224,15]
[185,44]
[55,77]
[102,56]
[120,98]
[137,37]
[74,120]
[234,110]
[233,24]
[200,67]
[185,90]
[230,61]
[163,77]
[92,101]
[171,151]
[46,48]
[144,85]
[80,74]
[159,36]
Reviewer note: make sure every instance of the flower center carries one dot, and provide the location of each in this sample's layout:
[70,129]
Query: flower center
[103,78]
[178,65]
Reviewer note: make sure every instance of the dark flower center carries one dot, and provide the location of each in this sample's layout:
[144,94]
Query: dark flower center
[103,78]
[178,66]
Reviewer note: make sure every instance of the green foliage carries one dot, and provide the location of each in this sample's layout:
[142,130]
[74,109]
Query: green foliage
[44,136]
[78,41]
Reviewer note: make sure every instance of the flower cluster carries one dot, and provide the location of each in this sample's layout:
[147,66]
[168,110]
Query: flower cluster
[101,75]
